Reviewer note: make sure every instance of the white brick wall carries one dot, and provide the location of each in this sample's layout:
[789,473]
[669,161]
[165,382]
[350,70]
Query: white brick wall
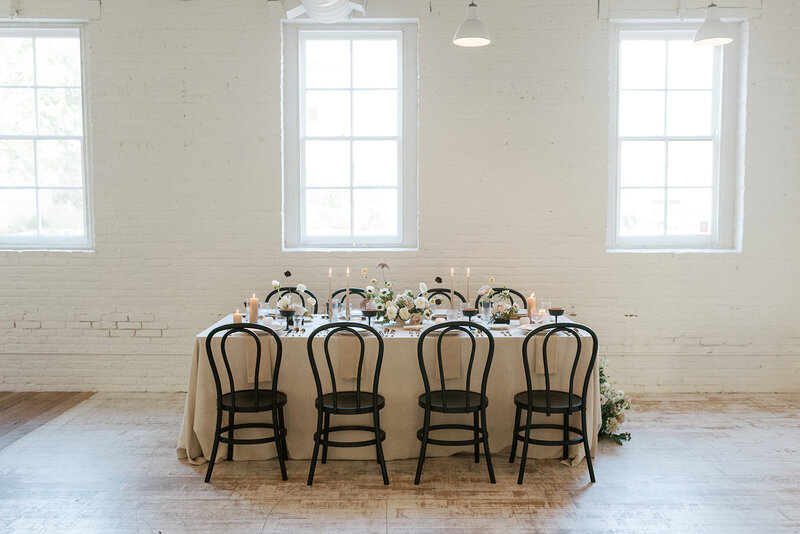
[187,198]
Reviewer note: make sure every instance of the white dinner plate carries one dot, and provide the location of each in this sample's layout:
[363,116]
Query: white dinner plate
[499,326]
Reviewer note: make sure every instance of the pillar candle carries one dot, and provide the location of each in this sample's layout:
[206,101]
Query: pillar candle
[531,306]
[237,317]
[452,289]
[253,309]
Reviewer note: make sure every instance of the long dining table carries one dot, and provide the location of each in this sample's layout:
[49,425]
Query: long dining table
[400,384]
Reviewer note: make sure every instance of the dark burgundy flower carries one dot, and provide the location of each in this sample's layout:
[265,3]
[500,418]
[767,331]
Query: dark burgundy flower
[287,274]
[438,279]
[382,266]
[438,302]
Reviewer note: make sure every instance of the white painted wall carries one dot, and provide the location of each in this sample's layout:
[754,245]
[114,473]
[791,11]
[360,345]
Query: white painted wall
[187,197]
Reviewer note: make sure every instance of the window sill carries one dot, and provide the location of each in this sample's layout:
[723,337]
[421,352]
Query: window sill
[350,249]
[674,250]
[7,249]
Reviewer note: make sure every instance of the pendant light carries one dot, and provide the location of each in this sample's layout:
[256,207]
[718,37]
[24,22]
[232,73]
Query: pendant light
[713,32]
[472,32]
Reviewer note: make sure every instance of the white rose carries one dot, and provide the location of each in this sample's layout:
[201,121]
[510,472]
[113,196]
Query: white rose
[421,303]
[276,284]
[423,288]
[603,400]
[284,301]
[391,313]
[404,314]
[311,300]
[301,288]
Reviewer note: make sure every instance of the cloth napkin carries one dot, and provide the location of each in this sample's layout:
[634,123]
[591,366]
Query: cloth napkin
[451,356]
[349,348]
[251,353]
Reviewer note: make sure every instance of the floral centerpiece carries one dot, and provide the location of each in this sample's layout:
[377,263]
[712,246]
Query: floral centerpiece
[613,404]
[406,307]
[286,302]
[503,308]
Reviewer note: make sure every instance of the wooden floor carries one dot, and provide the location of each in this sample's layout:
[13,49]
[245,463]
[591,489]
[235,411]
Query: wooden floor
[721,463]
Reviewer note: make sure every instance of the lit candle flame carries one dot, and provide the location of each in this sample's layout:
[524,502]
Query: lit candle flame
[531,294]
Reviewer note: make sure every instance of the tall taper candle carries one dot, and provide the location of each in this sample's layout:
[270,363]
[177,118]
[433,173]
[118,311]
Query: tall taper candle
[452,289]
[253,309]
[468,297]
[347,297]
[330,292]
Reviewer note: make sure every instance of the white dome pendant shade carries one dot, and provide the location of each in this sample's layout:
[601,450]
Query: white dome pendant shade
[472,32]
[713,32]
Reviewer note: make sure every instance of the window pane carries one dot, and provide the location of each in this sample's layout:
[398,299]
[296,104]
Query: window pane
[642,64]
[327,212]
[58,61]
[17,212]
[17,58]
[689,113]
[17,111]
[641,212]
[375,162]
[375,211]
[60,112]
[60,163]
[327,64]
[16,163]
[689,211]
[690,66]
[375,113]
[327,113]
[642,163]
[62,211]
[641,113]
[327,163]
[375,64]
[691,163]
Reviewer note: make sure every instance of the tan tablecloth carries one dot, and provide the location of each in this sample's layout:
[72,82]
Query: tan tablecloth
[401,384]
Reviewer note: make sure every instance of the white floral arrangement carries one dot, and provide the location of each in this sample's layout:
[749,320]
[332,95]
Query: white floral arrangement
[287,303]
[613,405]
[503,307]
[407,307]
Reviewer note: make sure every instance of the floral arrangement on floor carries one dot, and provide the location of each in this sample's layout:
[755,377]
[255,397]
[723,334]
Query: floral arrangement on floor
[613,404]
[286,302]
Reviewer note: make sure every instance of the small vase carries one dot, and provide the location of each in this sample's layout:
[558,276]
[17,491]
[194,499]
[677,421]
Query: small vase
[399,323]
[289,315]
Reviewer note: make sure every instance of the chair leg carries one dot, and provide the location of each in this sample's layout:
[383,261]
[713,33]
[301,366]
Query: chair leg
[282,425]
[215,447]
[485,429]
[276,430]
[379,446]
[317,437]
[565,454]
[514,439]
[586,445]
[230,436]
[525,446]
[477,441]
[426,428]
[326,430]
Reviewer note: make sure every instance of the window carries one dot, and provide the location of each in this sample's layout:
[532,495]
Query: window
[43,202]
[674,137]
[350,136]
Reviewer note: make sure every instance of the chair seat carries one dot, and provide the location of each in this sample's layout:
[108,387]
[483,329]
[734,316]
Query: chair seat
[456,401]
[559,401]
[347,402]
[246,400]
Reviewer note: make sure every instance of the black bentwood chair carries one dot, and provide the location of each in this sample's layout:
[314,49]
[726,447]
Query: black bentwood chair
[347,402]
[341,292]
[512,293]
[302,294]
[443,292]
[446,400]
[250,400]
[549,401]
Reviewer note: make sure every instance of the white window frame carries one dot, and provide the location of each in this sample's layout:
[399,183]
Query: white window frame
[293,199]
[727,137]
[62,243]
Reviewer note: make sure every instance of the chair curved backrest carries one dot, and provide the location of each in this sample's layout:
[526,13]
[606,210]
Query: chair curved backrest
[358,330]
[245,328]
[360,291]
[574,330]
[443,292]
[293,290]
[512,293]
[459,327]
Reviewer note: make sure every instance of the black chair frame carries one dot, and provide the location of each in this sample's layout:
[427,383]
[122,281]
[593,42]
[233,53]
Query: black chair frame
[444,292]
[574,403]
[361,292]
[513,292]
[263,400]
[375,404]
[293,290]
[479,427]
